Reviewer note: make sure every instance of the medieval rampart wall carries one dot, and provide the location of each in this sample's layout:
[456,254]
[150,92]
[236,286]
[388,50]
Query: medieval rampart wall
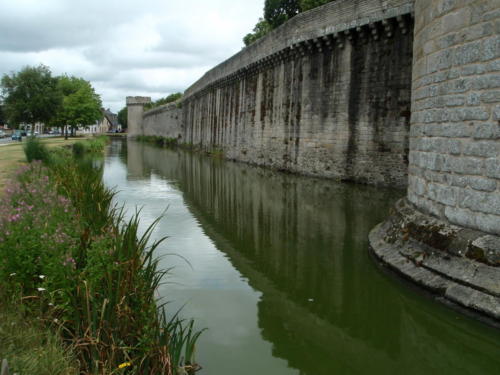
[326,94]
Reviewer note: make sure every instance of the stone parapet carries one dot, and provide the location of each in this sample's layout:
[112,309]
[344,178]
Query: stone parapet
[320,27]
[138,100]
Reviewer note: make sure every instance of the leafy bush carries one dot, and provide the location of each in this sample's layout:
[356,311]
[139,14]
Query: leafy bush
[36,150]
[79,148]
[93,145]
[33,219]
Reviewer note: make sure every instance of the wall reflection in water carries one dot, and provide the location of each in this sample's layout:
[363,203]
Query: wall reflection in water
[302,242]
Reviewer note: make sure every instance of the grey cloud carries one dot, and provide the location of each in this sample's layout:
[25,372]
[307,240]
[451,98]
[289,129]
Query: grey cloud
[152,47]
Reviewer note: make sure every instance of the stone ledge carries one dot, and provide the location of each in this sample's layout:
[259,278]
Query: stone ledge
[437,256]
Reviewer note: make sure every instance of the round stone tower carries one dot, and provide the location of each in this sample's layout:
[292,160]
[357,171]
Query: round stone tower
[454,169]
[135,109]
[445,235]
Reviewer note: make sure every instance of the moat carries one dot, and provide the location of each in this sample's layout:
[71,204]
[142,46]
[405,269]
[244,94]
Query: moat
[276,267]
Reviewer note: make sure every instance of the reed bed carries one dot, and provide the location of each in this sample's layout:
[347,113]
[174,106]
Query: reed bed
[71,259]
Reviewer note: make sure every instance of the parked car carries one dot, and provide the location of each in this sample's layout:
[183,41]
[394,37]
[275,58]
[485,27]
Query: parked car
[2,134]
[17,136]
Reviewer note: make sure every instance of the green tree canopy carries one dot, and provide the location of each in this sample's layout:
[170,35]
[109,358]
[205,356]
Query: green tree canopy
[310,4]
[261,28]
[30,96]
[80,105]
[3,120]
[277,12]
[123,117]
[169,99]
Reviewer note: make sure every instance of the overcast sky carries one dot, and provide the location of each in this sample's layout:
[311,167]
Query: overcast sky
[127,47]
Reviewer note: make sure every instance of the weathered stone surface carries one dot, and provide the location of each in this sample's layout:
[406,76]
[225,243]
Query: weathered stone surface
[460,265]
[457,98]
[135,107]
[308,100]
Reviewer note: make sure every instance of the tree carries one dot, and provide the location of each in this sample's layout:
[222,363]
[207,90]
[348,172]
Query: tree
[80,105]
[30,96]
[261,28]
[3,120]
[169,99]
[311,4]
[277,12]
[122,117]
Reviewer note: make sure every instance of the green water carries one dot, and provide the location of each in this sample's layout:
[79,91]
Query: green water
[280,275]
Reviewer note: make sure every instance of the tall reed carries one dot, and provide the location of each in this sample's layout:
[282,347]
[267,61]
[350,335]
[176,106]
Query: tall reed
[99,290]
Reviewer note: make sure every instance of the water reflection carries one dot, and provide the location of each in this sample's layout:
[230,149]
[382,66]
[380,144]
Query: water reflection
[300,245]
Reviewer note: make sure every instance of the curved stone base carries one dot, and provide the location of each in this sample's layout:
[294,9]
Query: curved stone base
[458,264]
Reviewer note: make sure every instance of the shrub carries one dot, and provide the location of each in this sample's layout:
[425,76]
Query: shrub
[79,148]
[36,150]
[93,145]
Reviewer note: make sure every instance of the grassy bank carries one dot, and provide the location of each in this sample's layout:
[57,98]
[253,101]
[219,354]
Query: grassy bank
[174,142]
[84,270]
[12,157]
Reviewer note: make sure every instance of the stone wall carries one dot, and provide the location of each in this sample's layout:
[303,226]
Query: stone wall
[454,171]
[164,121]
[327,94]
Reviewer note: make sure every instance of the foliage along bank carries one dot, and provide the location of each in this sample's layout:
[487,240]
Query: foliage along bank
[72,260]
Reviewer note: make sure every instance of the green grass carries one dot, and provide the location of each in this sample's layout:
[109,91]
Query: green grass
[12,157]
[158,140]
[31,348]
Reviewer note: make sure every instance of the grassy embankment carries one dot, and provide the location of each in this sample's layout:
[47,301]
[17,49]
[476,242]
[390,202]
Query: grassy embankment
[160,141]
[80,274]
[12,157]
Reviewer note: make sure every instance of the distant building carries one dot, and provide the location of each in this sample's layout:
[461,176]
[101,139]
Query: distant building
[109,122]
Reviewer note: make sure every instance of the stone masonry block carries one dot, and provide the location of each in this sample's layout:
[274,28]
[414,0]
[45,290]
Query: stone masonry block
[463,165]
[457,130]
[468,114]
[488,223]
[456,20]
[489,130]
[482,184]
[489,149]
[491,97]
[478,201]
[491,48]
[444,194]
[492,167]
[496,113]
[468,53]
[460,216]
